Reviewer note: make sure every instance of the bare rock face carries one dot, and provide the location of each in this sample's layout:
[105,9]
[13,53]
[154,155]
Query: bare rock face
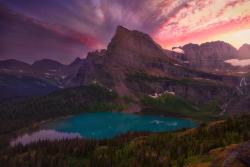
[93,70]
[209,56]
[244,51]
[127,51]
[133,49]
[133,41]
[134,64]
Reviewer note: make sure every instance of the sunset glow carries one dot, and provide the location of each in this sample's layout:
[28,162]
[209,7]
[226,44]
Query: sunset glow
[78,26]
[201,21]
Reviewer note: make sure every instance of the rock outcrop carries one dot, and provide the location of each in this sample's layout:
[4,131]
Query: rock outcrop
[209,56]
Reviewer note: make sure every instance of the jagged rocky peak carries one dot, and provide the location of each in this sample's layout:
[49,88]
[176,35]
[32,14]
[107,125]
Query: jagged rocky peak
[101,52]
[244,51]
[97,55]
[219,47]
[190,49]
[76,62]
[78,59]
[209,55]
[222,48]
[190,45]
[125,41]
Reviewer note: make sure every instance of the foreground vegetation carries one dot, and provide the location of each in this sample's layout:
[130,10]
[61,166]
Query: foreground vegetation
[174,149]
[163,149]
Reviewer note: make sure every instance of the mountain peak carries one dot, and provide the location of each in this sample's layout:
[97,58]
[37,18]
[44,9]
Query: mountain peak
[47,64]
[120,29]
[77,60]
[126,40]
[12,63]
[246,44]
[209,55]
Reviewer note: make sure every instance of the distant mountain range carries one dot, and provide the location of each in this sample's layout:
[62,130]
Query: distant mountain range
[134,65]
[211,56]
[18,79]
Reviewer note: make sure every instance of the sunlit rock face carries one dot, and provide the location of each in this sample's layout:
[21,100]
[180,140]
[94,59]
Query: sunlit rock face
[134,64]
[244,51]
[209,56]
[133,41]
[127,51]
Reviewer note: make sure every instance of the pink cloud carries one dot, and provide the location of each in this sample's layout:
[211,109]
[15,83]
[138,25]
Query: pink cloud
[230,4]
[199,21]
[211,30]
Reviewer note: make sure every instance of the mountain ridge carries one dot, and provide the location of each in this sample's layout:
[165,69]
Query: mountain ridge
[135,65]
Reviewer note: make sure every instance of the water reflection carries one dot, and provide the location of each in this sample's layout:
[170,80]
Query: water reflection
[50,135]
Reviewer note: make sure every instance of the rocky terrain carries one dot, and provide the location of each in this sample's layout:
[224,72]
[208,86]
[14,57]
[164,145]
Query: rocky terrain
[133,65]
[133,74]
[19,79]
[212,56]
[209,55]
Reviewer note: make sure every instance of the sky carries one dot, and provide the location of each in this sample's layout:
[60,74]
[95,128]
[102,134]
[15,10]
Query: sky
[31,30]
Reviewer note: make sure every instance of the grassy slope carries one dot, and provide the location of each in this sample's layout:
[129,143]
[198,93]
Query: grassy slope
[178,106]
[171,105]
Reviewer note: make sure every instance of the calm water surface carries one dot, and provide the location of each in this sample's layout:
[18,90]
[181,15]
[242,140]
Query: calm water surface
[103,125]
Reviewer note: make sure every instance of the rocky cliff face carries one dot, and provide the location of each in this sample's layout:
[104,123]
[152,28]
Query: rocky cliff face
[134,64]
[134,42]
[244,51]
[127,51]
[209,56]
[213,57]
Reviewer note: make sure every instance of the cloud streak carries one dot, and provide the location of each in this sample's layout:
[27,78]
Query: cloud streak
[170,22]
[27,39]
[200,20]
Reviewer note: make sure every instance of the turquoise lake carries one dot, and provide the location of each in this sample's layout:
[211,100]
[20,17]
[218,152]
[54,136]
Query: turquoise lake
[104,125]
